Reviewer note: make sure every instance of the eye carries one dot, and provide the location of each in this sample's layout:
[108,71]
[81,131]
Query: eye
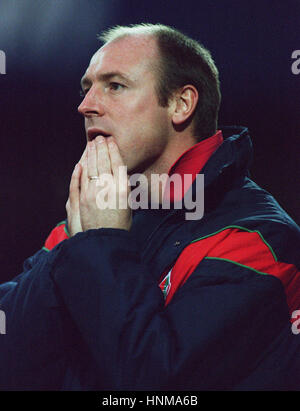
[115,86]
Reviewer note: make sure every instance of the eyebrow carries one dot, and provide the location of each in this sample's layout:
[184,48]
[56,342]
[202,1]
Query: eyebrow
[85,81]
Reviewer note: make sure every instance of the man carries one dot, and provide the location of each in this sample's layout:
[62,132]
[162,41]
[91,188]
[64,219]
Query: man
[147,299]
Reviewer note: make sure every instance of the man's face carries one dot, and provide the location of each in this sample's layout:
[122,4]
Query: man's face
[120,100]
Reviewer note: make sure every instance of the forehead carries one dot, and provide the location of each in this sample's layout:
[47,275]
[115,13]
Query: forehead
[133,55]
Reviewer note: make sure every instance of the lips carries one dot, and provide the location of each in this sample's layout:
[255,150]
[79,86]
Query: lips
[92,133]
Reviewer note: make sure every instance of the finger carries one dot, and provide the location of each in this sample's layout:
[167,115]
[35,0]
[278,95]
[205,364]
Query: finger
[119,171]
[92,169]
[84,154]
[115,157]
[74,188]
[84,181]
[103,158]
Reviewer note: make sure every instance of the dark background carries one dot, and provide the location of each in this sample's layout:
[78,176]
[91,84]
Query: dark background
[48,44]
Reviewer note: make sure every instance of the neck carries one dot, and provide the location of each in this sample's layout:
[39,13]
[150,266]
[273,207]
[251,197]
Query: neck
[157,173]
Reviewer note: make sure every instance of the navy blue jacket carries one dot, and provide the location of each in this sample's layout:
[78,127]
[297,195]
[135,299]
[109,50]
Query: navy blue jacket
[170,305]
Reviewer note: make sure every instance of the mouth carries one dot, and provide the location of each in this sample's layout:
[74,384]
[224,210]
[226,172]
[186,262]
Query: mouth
[92,133]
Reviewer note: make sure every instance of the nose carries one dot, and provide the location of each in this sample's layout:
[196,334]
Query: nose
[91,105]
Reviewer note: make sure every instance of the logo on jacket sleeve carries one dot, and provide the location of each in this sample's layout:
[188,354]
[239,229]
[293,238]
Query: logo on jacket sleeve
[165,285]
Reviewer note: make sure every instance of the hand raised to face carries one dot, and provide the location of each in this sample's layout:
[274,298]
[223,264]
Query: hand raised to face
[101,173]
[72,205]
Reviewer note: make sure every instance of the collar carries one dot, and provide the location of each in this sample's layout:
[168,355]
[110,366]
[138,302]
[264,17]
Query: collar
[191,162]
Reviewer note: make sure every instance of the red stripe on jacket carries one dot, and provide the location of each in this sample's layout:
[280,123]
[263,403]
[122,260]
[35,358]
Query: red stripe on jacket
[57,235]
[239,247]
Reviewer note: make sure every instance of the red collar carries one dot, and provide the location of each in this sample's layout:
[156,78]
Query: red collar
[192,161]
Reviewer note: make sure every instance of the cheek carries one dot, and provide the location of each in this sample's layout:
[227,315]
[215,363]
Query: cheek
[134,121]
[142,127]
[147,116]
[142,106]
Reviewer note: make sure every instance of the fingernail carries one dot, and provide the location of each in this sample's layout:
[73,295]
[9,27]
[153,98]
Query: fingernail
[100,139]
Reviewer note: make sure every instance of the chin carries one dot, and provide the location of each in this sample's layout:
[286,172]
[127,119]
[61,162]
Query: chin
[132,170]
[133,167]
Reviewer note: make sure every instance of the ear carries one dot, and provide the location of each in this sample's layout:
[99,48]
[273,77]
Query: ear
[184,104]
